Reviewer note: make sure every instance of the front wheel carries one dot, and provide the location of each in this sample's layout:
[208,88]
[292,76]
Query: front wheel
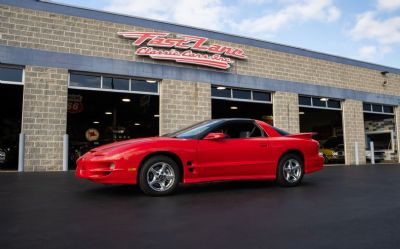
[290,170]
[159,176]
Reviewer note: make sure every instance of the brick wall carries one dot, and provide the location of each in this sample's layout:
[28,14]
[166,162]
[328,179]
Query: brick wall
[353,130]
[48,31]
[286,111]
[44,117]
[183,103]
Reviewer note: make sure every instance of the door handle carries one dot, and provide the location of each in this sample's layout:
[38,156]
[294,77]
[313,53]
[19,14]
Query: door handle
[264,145]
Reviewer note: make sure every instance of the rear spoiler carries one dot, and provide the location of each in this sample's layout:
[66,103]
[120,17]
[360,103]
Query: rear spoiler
[306,135]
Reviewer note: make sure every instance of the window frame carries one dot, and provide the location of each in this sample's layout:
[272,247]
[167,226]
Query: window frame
[382,109]
[102,76]
[251,100]
[326,107]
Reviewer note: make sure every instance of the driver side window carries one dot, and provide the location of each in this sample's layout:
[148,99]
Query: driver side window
[240,129]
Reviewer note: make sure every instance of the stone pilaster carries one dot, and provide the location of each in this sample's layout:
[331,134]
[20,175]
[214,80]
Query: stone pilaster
[397,131]
[286,111]
[183,103]
[353,130]
[44,117]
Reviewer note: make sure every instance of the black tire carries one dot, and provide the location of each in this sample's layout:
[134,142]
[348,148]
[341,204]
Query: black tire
[283,177]
[147,171]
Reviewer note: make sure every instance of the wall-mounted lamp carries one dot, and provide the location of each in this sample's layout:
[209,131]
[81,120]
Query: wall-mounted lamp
[384,75]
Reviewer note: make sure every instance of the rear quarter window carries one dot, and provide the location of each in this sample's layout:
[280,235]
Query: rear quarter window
[281,132]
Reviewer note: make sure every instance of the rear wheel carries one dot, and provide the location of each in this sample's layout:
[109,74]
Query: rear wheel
[159,176]
[290,170]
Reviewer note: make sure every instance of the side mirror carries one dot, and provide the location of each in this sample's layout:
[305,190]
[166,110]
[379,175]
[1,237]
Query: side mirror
[214,136]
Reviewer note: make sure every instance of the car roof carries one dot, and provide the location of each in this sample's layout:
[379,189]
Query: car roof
[234,119]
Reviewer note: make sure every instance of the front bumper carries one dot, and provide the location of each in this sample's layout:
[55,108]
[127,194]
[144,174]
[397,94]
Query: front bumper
[98,171]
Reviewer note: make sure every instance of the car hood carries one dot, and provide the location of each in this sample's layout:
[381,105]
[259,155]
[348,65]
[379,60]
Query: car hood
[128,144]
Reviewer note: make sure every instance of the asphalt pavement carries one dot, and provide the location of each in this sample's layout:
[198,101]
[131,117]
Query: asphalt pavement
[339,207]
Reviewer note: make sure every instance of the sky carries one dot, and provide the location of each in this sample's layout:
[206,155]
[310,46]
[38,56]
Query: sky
[367,30]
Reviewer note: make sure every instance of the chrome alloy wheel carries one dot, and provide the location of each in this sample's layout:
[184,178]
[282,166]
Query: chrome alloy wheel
[292,170]
[161,176]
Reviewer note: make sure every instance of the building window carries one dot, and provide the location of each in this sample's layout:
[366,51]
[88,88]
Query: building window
[11,74]
[378,108]
[222,92]
[115,83]
[319,102]
[388,109]
[303,100]
[367,107]
[144,86]
[334,104]
[241,94]
[261,96]
[81,80]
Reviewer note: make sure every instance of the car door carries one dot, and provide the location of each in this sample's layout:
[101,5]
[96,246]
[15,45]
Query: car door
[243,152]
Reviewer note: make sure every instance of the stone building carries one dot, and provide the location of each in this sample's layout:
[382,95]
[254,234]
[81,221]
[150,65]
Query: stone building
[99,77]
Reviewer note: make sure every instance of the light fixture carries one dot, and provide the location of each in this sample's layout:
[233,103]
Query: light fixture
[136,124]
[151,81]
[156,115]
[108,113]
[96,122]
[324,99]
[301,113]
[384,75]
[126,100]
[234,107]
[221,88]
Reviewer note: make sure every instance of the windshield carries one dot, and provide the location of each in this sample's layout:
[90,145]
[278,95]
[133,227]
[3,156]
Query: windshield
[193,131]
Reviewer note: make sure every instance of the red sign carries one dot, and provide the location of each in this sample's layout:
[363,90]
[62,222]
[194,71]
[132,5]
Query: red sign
[75,104]
[192,49]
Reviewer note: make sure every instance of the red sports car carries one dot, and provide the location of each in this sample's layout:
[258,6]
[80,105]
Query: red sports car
[213,150]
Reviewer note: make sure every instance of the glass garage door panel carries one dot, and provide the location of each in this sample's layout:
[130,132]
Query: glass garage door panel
[98,117]
[329,129]
[10,125]
[380,129]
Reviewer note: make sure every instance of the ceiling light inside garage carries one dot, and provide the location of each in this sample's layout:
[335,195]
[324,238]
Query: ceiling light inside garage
[96,122]
[324,99]
[221,88]
[126,100]
[151,81]
[156,115]
[301,113]
[136,124]
[234,107]
[108,113]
